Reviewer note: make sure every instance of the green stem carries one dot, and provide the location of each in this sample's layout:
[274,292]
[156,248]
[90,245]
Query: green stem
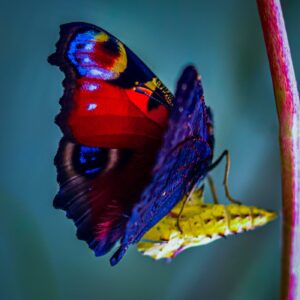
[288,109]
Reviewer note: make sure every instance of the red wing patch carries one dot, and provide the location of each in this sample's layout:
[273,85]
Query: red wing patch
[108,91]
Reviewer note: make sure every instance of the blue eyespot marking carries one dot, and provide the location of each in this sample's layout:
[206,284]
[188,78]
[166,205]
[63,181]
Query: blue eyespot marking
[87,60]
[100,73]
[89,47]
[78,49]
[92,171]
[90,161]
[79,53]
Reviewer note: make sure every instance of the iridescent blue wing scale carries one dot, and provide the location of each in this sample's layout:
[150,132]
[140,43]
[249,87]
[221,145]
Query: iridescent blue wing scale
[182,161]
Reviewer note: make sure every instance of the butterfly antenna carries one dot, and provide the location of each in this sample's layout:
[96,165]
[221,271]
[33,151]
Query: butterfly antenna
[180,213]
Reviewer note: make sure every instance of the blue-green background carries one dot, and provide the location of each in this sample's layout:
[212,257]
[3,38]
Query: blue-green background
[40,257]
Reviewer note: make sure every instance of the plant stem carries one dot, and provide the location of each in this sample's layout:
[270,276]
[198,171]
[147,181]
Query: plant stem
[288,109]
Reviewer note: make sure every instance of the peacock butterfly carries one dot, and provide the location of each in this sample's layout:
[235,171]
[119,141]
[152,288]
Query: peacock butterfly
[130,150]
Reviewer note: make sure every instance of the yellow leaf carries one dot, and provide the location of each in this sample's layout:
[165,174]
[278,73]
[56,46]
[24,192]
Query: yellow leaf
[199,224]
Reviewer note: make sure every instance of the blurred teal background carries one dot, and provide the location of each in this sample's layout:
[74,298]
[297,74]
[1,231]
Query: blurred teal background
[40,256]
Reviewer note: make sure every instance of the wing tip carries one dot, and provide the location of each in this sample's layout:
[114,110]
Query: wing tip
[191,71]
[66,33]
[117,256]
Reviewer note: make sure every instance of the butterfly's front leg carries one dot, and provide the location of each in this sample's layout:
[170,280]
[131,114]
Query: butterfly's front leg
[226,175]
[212,189]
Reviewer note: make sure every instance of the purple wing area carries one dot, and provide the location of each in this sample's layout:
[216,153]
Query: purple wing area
[182,161]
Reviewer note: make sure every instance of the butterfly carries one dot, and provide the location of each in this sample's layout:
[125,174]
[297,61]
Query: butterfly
[130,150]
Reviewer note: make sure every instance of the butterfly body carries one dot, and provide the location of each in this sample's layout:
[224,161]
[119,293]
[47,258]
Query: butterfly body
[130,149]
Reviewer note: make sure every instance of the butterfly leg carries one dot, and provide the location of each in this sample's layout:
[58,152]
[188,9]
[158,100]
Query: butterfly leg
[225,181]
[212,189]
[226,175]
[179,215]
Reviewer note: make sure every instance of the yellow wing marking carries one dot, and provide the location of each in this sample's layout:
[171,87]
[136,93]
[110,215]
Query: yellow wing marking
[151,86]
[120,63]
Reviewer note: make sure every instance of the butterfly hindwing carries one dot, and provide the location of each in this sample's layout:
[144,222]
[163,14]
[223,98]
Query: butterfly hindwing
[182,161]
[96,190]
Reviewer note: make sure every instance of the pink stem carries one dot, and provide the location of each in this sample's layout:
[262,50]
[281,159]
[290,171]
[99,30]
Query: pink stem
[288,109]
